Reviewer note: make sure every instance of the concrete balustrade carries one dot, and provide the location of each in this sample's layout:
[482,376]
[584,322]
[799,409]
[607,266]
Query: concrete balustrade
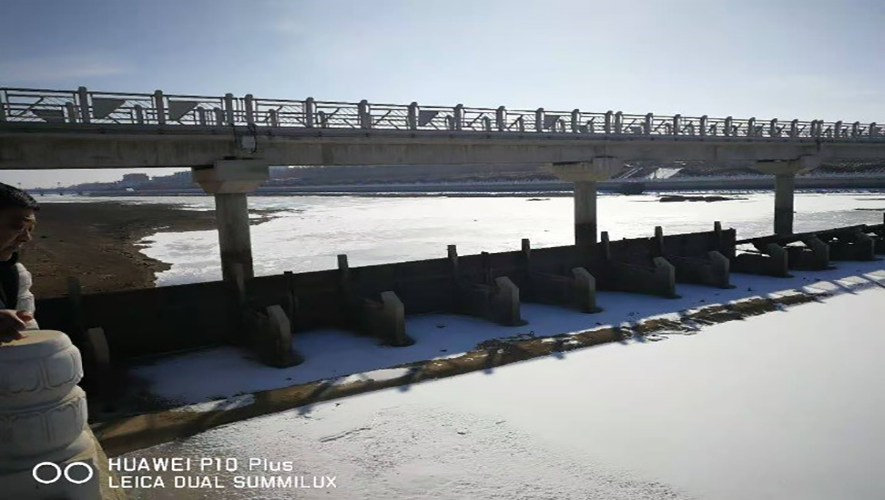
[43,421]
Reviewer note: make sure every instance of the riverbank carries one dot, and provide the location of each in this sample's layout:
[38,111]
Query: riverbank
[98,243]
[530,188]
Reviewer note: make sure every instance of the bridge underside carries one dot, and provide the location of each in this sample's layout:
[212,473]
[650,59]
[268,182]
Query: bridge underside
[48,146]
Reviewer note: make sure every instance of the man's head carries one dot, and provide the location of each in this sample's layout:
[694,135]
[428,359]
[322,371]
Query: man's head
[17,219]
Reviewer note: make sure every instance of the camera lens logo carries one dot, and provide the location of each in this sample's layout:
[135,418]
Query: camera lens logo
[49,473]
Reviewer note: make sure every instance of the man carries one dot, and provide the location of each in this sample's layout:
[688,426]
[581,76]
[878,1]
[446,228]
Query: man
[17,220]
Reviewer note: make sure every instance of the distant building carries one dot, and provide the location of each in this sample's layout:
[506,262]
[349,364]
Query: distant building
[134,180]
[177,177]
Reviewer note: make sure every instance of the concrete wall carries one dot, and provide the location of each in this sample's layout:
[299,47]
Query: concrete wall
[160,320]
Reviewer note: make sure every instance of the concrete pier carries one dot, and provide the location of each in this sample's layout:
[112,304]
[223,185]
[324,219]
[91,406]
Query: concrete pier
[585,175]
[785,185]
[585,213]
[230,181]
[232,213]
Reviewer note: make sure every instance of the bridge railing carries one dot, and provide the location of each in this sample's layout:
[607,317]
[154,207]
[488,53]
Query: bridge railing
[112,108]
[28,105]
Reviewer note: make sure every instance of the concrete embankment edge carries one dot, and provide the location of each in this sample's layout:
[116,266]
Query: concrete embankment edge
[133,433]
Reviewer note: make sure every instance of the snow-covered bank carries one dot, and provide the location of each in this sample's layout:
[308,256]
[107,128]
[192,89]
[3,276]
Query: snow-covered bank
[782,405]
[228,371]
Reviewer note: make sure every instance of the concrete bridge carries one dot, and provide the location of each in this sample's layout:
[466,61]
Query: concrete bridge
[229,142]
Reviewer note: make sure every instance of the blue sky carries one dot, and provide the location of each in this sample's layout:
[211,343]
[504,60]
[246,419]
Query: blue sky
[788,59]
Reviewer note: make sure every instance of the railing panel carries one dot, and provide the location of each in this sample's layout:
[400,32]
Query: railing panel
[519,121]
[286,113]
[435,118]
[23,105]
[337,115]
[389,116]
[478,119]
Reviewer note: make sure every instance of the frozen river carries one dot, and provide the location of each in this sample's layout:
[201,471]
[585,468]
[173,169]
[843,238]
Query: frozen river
[783,405]
[313,230]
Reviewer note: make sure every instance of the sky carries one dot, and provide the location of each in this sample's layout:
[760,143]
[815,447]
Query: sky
[806,59]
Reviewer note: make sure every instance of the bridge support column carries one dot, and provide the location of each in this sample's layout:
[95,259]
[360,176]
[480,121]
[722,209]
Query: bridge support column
[230,181]
[784,186]
[585,175]
[585,213]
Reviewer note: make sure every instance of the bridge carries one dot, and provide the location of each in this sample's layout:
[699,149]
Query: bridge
[84,129]
[230,141]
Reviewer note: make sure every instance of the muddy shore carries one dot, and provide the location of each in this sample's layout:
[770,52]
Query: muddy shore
[98,243]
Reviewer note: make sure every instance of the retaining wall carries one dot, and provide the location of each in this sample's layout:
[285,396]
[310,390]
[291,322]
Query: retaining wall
[154,321]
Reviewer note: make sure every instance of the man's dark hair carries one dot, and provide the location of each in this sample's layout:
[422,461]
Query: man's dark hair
[12,197]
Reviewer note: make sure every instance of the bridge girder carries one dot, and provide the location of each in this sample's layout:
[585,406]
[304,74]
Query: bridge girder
[43,146]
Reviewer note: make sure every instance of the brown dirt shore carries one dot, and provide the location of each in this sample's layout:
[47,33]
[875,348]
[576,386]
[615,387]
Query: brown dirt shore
[97,242]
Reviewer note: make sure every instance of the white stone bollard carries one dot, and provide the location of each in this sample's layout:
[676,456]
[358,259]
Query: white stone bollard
[43,421]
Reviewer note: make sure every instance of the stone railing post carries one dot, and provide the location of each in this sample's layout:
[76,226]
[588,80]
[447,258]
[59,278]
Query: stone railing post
[229,108]
[83,101]
[160,106]
[365,117]
[43,421]
[413,116]
[250,109]
[309,112]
